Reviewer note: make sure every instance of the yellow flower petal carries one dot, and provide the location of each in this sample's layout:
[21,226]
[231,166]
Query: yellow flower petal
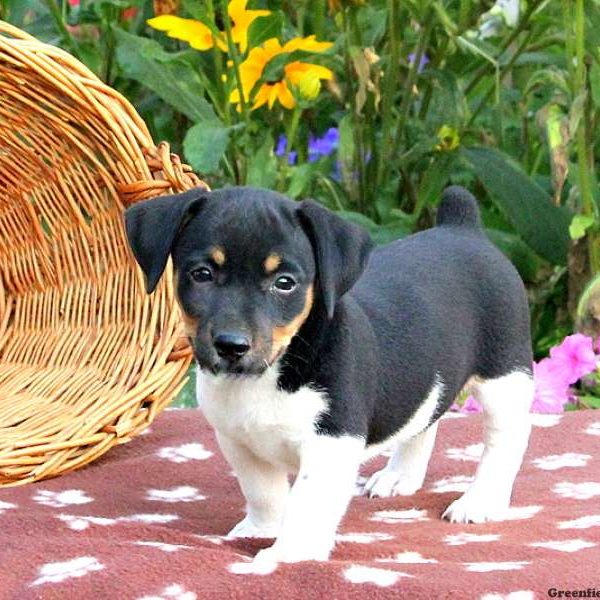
[242,19]
[195,33]
[308,44]
[286,98]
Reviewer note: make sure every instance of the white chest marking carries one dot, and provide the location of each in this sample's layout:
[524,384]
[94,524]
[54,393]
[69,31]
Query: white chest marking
[270,422]
[416,424]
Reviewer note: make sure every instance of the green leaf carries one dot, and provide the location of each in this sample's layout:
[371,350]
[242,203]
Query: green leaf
[381,234]
[301,177]
[168,75]
[589,401]
[542,225]
[579,225]
[595,83]
[526,261]
[262,166]
[265,28]
[204,145]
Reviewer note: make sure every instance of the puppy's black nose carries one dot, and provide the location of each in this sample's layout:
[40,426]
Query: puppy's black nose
[231,346]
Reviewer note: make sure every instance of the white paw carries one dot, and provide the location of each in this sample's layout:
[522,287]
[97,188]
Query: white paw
[384,484]
[470,508]
[279,552]
[246,528]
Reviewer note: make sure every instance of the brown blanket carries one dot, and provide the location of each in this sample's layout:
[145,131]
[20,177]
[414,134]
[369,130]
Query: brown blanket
[147,520]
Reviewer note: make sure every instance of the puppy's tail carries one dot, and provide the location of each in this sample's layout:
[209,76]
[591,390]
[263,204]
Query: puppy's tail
[458,207]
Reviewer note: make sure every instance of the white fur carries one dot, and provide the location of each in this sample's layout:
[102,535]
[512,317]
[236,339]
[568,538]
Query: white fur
[506,402]
[405,471]
[266,433]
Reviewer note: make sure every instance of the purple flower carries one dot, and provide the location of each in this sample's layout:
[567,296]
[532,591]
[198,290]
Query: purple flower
[280,150]
[422,63]
[323,146]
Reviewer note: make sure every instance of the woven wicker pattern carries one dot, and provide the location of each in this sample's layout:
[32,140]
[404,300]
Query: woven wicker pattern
[87,360]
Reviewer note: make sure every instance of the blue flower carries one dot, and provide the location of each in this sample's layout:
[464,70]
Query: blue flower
[323,146]
[422,63]
[280,150]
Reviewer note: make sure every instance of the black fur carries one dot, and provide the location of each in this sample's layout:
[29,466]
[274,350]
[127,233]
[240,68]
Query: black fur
[442,303]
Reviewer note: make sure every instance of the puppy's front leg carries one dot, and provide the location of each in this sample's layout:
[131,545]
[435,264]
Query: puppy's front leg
[264,486]
[318,499]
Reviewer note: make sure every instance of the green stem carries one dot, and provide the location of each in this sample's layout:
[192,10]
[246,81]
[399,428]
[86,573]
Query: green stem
[407,96]
[218,62]
[235,56]
[523,22]
[390,87]
[495,89]
[67,38]
[585,184]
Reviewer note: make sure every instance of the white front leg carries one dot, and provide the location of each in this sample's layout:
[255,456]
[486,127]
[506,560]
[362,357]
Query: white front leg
[318,499]
[264,486]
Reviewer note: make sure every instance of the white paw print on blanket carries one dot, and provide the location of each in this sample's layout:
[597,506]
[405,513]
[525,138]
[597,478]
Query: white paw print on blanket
[408,558]
[380,577]
[185,453]
[470,453]
[553,462]
[541,420]
[487,567]
[412,515]
[182,493]
[169,548]
[172,592]
[81,523]
[593,428]
[518,595]
[458,483]
[4,506]
[363,538]
[564,545]
[581,523]
[59,571]
[60,499]
[579,491]
[460,539]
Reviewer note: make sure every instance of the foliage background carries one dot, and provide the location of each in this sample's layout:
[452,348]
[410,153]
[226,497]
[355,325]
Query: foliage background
[501,97]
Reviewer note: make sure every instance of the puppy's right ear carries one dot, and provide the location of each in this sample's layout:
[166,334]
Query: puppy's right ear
[152,227]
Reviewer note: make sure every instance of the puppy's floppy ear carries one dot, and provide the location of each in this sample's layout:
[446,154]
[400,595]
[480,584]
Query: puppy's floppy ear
[152,226]
[341,251]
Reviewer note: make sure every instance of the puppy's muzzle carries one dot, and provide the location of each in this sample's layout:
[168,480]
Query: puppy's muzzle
[231,346]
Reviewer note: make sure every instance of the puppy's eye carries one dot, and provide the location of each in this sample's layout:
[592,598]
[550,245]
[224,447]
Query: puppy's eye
[202,274]
[284,284]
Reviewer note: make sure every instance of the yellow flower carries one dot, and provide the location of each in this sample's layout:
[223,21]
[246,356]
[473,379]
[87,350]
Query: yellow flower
[195,33]
[448,137]
[303,77]
[200,37]
[242,19]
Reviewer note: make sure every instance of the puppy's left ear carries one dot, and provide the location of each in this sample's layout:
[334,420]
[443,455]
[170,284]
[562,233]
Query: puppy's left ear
[341,251]
[152,227]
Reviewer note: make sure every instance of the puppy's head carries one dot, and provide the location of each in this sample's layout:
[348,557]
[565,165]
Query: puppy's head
[251,267]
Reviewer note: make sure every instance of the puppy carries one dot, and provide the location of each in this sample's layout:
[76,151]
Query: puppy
[314,350]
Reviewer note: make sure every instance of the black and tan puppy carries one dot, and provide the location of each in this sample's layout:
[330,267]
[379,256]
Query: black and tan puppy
[313,350]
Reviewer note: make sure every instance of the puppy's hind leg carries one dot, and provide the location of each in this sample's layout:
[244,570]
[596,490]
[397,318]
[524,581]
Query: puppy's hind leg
[506,402]
[405,472]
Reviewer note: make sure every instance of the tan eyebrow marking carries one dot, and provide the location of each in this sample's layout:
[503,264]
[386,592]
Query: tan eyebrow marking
[218,255]
[272,262]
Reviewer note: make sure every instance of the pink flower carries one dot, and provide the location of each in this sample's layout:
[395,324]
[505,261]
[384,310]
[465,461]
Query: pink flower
[551,390]
[469,406]
[573,358]
[74,2]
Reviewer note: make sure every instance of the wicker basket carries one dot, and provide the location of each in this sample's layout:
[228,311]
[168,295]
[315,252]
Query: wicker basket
[87,360]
